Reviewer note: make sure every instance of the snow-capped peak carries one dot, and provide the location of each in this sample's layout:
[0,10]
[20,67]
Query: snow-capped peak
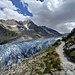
[26,26]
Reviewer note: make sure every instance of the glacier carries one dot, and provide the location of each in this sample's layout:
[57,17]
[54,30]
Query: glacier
[15,52]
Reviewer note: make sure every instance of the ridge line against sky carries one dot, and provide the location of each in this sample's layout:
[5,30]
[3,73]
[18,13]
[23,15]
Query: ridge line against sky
[56,14]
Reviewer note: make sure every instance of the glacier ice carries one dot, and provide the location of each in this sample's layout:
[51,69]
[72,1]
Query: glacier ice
[14,52]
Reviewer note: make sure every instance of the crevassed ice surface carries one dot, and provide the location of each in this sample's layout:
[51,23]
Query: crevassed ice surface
[15,52]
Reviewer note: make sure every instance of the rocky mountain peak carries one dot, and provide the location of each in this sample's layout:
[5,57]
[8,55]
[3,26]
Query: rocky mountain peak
[27,21]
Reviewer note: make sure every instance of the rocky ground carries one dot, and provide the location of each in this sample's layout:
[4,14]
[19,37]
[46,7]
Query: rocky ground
[68,66]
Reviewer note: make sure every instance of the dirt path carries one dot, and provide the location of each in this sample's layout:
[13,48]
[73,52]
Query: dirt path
[67,65]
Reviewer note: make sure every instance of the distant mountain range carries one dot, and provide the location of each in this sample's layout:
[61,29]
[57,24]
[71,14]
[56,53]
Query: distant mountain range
[24,30]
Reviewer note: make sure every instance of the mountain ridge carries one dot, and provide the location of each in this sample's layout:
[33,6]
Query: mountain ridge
[28,29]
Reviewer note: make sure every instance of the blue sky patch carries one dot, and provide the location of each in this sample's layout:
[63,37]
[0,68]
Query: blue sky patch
[23,10]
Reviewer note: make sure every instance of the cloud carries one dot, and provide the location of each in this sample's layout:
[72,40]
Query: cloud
[53,13]
[10,11]
[7,4]
[65,27]
[56,14]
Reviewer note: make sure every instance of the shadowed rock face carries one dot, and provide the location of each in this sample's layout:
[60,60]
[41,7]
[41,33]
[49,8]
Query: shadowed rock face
[51,31]
[73,31]
[6,35]
[2,30]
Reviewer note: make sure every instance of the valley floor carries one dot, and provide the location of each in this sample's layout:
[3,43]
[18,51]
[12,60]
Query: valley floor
[45,62]
[67,65]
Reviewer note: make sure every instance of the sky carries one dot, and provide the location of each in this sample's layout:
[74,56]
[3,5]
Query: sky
[55,14]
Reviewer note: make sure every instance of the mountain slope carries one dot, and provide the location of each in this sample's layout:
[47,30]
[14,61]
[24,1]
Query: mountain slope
[69,46]
[28,30]
[51,31]
[6,35]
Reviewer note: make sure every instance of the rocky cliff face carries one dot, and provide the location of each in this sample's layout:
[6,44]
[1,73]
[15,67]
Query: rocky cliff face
[69,47]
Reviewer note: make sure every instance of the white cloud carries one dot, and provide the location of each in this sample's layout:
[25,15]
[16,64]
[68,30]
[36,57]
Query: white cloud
[57,14]
[10,11]
[7,4]
[53,13]
[65,27]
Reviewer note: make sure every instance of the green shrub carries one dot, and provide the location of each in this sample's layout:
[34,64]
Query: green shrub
[72,54]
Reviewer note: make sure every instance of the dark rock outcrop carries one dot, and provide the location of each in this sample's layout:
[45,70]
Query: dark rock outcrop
[69,47]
